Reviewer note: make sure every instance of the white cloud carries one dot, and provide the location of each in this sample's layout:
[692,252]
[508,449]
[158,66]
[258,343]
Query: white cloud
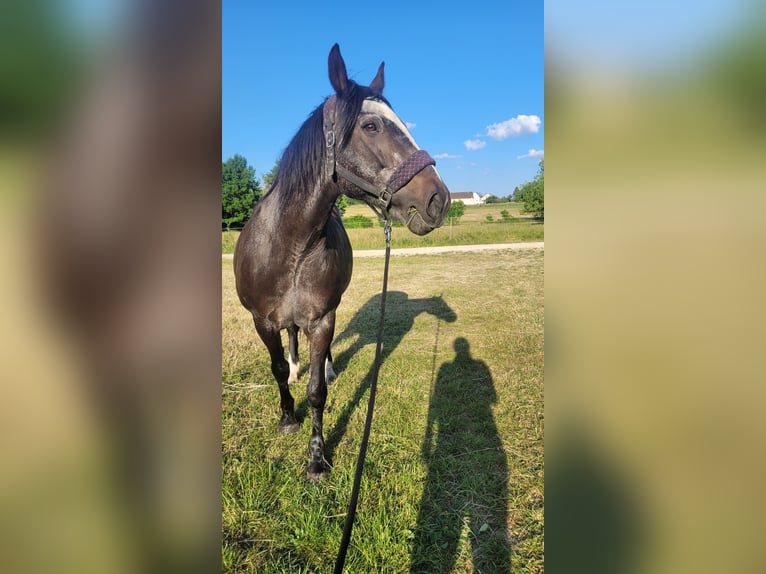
[520,125]
[410,125]
[532,153]
[474,144]
[447,156]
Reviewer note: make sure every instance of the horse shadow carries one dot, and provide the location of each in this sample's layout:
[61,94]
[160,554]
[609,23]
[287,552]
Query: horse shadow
[466,484]
[401,312]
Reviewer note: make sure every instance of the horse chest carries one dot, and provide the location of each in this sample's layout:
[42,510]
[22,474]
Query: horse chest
[304,290]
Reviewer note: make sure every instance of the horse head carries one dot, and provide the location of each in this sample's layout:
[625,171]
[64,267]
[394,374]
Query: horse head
[373,156]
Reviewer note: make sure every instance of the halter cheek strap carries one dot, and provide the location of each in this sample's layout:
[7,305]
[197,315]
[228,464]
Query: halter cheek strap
[403,174]
[328,126]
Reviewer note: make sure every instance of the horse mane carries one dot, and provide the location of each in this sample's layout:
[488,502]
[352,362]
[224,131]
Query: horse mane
[302,163]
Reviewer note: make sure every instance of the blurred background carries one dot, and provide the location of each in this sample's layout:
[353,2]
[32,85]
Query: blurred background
[110,284]
[110,306]
[656,149]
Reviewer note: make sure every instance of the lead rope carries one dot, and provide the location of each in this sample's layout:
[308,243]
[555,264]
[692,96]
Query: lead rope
[351,512]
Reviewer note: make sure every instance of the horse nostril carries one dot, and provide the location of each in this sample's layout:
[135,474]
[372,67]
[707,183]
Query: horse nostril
[435,206]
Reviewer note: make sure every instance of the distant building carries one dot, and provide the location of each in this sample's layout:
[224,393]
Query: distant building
[467,197]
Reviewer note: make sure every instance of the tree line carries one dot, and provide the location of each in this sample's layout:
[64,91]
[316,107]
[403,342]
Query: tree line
[531,194]
[241,190]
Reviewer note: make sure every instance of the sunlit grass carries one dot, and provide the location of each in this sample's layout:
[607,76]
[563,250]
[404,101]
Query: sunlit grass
[489,488]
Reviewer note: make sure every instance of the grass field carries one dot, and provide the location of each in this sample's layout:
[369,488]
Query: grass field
[453,480]
[472,229]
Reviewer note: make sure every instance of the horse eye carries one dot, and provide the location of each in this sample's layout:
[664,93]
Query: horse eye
[370,127]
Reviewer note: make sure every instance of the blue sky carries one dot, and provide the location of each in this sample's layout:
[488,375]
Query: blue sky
[452,68]
[460,72]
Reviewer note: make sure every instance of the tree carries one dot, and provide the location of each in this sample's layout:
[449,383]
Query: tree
[269,178]
[456,211]
[532,194]
[240,191]
[342,202]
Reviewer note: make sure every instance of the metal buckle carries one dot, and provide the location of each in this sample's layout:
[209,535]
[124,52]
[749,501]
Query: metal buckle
[329,137]
[385,198]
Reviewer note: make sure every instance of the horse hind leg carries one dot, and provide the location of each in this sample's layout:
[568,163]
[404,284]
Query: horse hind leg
[288,424]
[316,393]
[329,372]
[292,347]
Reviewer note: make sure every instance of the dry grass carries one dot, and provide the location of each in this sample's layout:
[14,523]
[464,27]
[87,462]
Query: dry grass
[454,474]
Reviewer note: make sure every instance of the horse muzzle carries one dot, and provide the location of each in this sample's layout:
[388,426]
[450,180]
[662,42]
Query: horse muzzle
[423,203]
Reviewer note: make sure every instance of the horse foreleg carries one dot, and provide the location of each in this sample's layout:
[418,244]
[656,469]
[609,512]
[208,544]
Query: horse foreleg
[292,347]
[281,371]
[320,338]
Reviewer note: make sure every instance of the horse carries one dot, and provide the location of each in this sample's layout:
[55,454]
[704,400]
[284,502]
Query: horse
[293,259]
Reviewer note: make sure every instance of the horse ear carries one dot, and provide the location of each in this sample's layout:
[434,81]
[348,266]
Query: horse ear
[378,82]
[337,70]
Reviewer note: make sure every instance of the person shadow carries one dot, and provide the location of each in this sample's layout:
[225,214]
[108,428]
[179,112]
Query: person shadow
[467,475]
[401,312]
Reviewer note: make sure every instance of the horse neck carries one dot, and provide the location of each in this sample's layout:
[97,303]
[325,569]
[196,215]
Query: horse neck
[311,216]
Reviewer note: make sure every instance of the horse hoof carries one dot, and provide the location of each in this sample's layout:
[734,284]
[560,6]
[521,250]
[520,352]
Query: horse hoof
[317,472]
[290,427]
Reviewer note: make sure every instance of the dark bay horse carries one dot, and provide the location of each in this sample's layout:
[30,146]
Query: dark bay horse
[293,260]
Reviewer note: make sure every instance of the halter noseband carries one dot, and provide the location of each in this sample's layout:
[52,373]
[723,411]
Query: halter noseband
[403,174]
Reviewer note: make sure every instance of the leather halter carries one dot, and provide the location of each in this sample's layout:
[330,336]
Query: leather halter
[403,174]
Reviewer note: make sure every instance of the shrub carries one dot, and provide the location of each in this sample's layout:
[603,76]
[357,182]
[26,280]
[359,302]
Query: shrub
[357,221]
[342,202]
[507,216]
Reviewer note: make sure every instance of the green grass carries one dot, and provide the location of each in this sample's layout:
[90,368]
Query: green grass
[454,475]
[473,229]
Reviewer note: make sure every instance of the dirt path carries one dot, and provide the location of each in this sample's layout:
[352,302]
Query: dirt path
[440,249]
[449,248]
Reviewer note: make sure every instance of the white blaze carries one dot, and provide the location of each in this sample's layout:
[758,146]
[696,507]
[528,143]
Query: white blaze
[380,109]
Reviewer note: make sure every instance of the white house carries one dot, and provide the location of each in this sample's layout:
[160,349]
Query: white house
[467,197]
